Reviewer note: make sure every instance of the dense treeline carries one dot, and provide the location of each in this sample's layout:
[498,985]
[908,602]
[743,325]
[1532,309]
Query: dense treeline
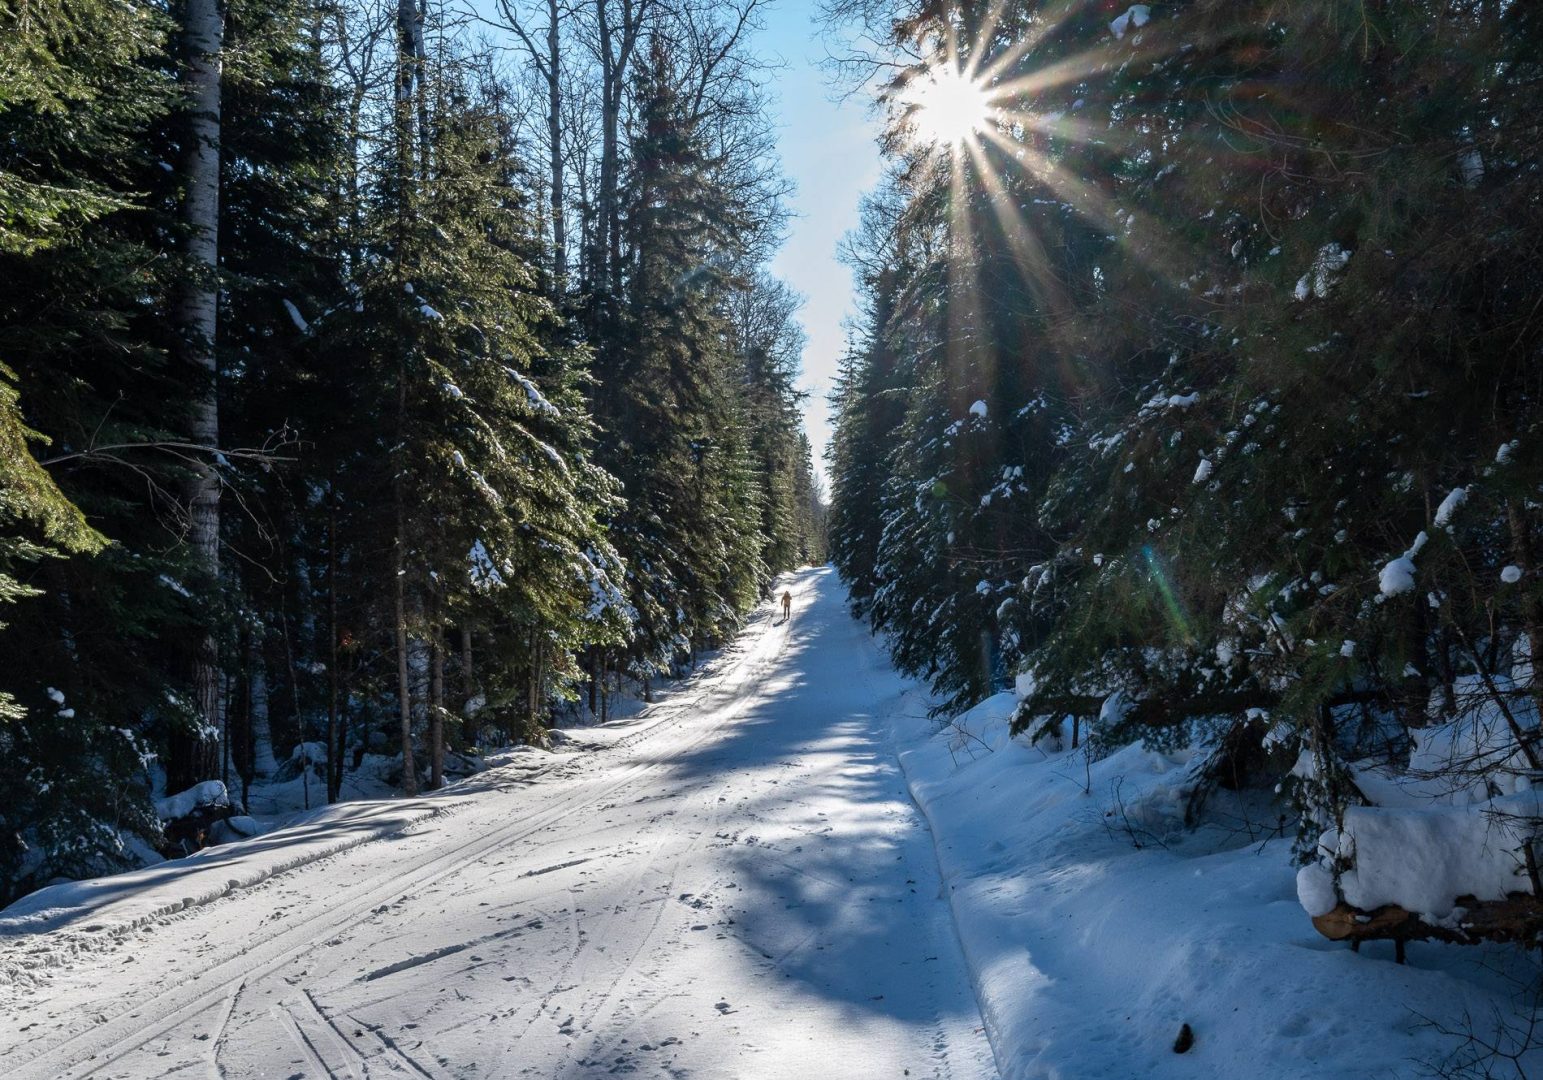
[1199,387]
[363,389]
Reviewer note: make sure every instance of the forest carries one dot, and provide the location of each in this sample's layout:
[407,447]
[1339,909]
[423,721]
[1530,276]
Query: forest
[1211,419]
[383,377]
[464,613]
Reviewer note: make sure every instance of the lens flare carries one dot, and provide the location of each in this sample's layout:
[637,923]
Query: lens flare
[947,107]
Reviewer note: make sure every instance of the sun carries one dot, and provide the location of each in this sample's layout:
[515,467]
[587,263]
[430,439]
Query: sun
[947,107]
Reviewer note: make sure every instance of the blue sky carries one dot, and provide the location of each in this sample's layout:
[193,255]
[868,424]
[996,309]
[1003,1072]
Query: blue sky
[828,149]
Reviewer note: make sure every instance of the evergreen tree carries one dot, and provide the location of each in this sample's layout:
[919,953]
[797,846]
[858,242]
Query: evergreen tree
[82,88]
[689,532]
[1244,479]
[344,481]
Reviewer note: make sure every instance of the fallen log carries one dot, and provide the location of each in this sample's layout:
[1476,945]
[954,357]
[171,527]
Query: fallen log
[1518,918]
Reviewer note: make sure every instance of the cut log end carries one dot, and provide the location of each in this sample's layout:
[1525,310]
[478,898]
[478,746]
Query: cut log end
[1517,918]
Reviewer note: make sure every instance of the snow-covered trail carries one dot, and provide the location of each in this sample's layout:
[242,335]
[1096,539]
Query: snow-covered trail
[737,886]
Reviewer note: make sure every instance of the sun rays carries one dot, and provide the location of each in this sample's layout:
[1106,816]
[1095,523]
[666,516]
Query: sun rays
[948,107]
[977,107]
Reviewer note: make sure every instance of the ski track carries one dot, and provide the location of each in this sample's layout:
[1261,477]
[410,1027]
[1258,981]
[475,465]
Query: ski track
[738,886]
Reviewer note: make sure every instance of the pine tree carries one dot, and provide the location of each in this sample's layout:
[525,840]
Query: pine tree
[1232,430]
[689,532]
[82,87]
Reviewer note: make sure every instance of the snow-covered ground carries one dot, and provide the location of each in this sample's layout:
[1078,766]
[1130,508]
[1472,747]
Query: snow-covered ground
[1096,926]
[735,884]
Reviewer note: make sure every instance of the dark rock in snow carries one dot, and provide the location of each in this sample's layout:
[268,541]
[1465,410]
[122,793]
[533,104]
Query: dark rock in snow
[1185,1040]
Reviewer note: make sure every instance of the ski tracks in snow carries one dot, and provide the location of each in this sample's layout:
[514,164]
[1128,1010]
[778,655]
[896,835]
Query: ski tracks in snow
[736,887]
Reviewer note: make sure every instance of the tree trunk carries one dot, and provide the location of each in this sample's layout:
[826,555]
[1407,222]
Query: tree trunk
[436,709]
[1532,610]
[554,137]
[264,764]
[605,691]
[609,183]
[203,36]
[335,746]
[408,73]
[610,78]
[530,686]
[294,701]
[246,742]
[404,683]
[409,19]
[538,691]
[468,686]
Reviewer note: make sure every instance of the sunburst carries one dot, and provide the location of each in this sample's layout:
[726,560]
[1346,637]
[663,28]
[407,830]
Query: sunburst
[947,107]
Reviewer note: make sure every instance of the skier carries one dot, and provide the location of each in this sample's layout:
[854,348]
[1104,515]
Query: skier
[787,606]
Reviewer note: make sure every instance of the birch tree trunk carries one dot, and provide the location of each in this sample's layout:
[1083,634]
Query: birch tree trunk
[264,764]
[203,37]
[555,139]
[408,86]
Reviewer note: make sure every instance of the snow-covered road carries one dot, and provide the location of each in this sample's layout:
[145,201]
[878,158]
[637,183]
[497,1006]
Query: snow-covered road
[736,886]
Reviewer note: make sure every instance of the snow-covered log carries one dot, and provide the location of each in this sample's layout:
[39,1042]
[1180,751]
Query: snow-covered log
[1517,918]
[188,816]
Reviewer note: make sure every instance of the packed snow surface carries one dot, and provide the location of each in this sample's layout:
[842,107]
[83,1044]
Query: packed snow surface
[732,883]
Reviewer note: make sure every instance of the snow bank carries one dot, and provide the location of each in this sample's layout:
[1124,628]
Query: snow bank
[1095,925]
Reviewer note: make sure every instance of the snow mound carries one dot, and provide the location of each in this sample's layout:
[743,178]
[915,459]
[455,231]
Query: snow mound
[1423,860]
